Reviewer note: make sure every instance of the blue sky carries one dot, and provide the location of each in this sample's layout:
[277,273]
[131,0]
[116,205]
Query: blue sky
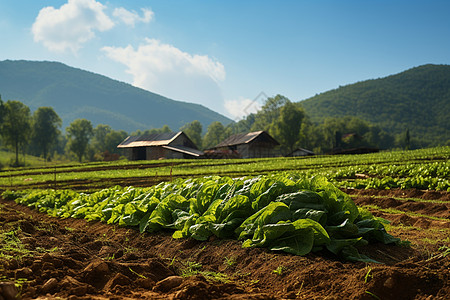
[223,54]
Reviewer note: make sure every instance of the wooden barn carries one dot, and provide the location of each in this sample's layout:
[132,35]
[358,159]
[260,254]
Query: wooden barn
[249,145]
[159,146]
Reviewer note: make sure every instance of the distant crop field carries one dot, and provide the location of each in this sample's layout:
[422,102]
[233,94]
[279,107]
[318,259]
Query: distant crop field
[420,169]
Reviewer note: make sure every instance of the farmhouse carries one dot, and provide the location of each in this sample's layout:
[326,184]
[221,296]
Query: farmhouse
[248,145]
[159,146]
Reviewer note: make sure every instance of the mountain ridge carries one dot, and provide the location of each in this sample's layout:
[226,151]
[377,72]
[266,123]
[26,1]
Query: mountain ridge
[76,93]
[417,100]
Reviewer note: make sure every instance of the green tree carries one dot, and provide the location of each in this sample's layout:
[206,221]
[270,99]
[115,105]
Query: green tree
[107,139]
[46,124]
[104,142]
[214,135]
[60,146]
[309,136]
[243,126]
[407,139]
[351,132]
[2,110]
[377,137]
[269,113]
[16,125]
[99,137]
[113,139]
[79,133]
[2,114]
[286,129]
[194,131]
[164,129]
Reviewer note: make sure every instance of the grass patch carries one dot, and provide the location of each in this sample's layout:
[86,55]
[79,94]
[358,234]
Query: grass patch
[429,241]
[280,270]
[7,159]
[230,261]
[11,247]
[191,268]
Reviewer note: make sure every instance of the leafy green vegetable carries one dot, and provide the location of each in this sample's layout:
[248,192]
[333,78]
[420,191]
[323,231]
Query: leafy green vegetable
[287,213]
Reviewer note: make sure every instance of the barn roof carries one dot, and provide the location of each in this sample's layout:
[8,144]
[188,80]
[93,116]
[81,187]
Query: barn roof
[157,139]
[245,138]
[185,150]
[301,151]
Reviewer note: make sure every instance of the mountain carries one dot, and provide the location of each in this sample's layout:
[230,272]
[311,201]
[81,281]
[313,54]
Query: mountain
[75,93]
[417,99]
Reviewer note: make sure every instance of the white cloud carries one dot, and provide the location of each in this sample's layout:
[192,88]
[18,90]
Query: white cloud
[241,107]
[166,70]
[70,26]
[131,17]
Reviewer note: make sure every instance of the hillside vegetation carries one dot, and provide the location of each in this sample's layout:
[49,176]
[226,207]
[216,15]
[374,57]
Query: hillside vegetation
[417,99]
[75,93]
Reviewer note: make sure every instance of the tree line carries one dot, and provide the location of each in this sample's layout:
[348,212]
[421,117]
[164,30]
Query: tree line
[40,133]
[290,125]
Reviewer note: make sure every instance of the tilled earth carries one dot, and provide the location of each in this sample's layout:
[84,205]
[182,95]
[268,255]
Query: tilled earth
[48,258]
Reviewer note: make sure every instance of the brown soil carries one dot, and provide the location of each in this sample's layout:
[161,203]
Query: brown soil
[75,259]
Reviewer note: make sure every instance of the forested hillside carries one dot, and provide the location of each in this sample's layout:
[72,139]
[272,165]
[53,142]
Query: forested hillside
[417,99]
[74,93]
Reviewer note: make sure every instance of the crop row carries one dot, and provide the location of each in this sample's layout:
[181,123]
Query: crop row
[287,213]
[422,169]
[391,157]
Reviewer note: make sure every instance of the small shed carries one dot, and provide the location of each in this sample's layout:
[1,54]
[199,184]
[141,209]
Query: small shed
[300,152]
[256,144]
[159,146]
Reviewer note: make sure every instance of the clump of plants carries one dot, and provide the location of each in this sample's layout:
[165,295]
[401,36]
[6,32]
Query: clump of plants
[285,212]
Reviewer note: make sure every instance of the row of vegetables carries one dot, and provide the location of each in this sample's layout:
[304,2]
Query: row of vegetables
[427,176]
[290,213]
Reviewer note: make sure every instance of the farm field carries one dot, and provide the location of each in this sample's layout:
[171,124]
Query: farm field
[49,257]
